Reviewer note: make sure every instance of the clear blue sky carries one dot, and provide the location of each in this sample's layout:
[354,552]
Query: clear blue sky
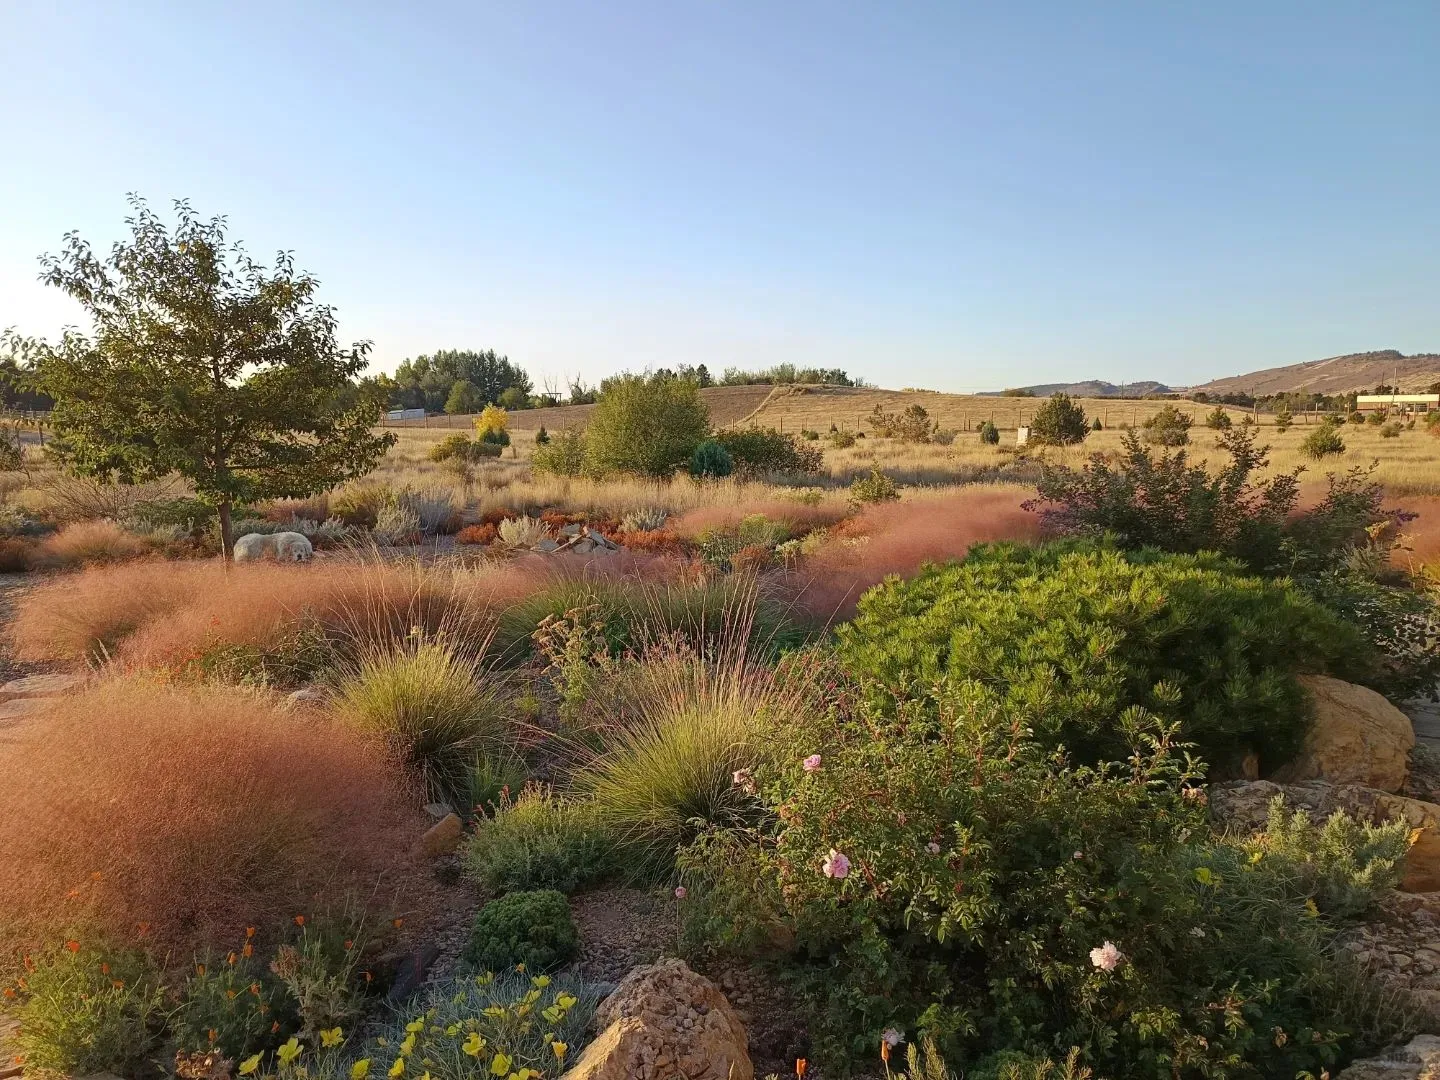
[952,195]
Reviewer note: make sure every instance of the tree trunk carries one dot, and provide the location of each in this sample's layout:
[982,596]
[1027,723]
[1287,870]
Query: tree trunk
[227,537]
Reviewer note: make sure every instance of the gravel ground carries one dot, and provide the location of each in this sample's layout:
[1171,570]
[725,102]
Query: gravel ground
[12,587]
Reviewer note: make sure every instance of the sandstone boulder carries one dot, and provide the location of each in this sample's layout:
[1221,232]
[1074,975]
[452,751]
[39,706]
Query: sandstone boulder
[1418,1060]
[1358,738]
[443,837]
[664,1022]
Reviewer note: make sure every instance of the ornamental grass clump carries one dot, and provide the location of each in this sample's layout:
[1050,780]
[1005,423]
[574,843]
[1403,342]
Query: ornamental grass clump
[175,817]
[679,729]
[430,702]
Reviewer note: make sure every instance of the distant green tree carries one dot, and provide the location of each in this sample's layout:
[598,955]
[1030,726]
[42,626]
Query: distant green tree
[1168,427]
[1218,419]
[204,363]
[512,397]
[426,381]
[1283,418]
[645,425]
[1059,422]
[464,399]
[989,434]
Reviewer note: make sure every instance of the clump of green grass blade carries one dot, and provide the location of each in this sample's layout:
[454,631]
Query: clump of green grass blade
[636,612]
[430,702]
[686,727]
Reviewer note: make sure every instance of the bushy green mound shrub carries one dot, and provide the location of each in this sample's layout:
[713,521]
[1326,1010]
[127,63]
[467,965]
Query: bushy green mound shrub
[530,928]
[940,874]
[1071,635]
[989,434]
[711,459]
[1168,427]
[649,425]
[86,1011]
[1324,441]
[1059,422]
[540,842]
[562,454]
[758,451]
[876,487]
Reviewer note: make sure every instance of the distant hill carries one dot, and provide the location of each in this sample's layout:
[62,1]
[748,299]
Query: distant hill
[1090,388]
[1336,375]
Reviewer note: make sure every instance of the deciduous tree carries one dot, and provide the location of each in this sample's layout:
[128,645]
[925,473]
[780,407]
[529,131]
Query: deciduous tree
[205,363]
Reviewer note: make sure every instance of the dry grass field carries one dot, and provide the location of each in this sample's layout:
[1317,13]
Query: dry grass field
[1407,465]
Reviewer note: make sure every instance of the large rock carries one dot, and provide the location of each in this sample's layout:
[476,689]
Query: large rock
[37,686]
[443,837]
[664,1022]
[1419,1060]
[1244,804]
[1358,738]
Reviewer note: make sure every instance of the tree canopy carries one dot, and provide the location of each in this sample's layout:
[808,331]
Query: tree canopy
[205,363]
[427,381]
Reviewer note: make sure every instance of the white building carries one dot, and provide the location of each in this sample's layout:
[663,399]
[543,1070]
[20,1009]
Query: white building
[405,414]
[1419,403]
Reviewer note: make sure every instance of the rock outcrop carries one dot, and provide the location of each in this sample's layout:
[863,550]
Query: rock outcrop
[1358,738]
[665,1022]
[1419,1060]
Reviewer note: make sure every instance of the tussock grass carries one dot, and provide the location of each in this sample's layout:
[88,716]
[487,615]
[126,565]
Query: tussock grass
[430,703]
[157,614]
[677,731]
[196,812]
[86,543]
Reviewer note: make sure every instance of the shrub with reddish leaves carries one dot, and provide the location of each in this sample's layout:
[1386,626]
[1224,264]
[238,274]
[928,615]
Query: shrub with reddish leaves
[477,534]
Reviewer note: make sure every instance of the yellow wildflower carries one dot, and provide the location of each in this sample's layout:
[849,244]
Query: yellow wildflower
[474,1044]
[249,1065]
[360,1070]
[398,1069]
[331,1037]
[559,1048]
[289,1050]
[500,1064]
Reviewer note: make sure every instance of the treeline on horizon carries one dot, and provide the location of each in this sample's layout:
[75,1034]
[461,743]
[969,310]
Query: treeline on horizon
[463,381]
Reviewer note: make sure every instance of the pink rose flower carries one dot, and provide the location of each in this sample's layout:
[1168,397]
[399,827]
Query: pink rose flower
[933,848]
[1107,957]
[680,892]
[836,865]
[811,763]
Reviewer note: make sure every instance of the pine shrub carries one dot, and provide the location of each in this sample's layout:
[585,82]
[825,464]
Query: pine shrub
[1072,635]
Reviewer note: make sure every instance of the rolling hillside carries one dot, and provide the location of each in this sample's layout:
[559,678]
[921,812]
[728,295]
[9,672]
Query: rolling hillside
[1093,388]
[1336,375]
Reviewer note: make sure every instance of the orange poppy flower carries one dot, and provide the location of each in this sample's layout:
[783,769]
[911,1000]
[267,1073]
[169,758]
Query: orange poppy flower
[230,959]
[10,992]
[144,928]
[118,984]
[248,950]
[299,920]
[274,1027]
[200,969]
[801,1068]
[249,931]
[397,923]
[104,969]
[73,945]
[212,1034]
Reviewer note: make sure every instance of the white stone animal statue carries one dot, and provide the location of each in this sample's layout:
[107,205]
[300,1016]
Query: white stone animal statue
[281,546]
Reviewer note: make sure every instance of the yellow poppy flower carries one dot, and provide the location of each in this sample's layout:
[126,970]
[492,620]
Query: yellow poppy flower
[331,1037]
[360,1070]
[249,1065]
